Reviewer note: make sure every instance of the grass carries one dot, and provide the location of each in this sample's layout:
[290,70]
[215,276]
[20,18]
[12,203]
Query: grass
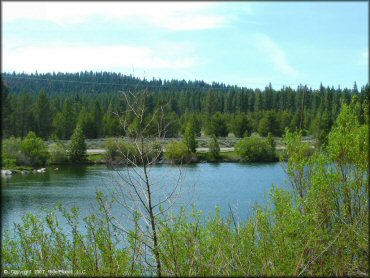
[229,156]
[96,158]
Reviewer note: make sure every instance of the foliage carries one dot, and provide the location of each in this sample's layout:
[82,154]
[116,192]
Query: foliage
[11,152]
[217,126]
[6,110]
[65,120]
[42,243]
[43,115]
[241,126]
[110,123]
[77,148]
[321,230]
[91,99]
[214,149]
[177,152]
[189,137]
[269,123]
[119,150]
[298,154]
[58,153]
[193,119]
[255,149]
[270,140]
[34,149]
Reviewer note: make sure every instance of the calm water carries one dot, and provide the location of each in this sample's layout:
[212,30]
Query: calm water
[204,185]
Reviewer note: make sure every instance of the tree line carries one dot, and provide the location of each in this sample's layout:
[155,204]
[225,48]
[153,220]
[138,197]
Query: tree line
[54,104]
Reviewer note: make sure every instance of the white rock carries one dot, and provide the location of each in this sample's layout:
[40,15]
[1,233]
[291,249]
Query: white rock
[6,172]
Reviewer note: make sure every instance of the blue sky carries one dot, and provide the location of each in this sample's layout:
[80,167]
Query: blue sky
[244,43]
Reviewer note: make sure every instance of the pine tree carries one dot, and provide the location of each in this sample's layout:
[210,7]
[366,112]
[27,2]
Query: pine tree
[78,146]
[43,116]
[214,148]
[6,110]
[217,126]
[189,137]
[241,126]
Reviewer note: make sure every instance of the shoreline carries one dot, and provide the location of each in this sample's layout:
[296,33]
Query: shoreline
[193,160]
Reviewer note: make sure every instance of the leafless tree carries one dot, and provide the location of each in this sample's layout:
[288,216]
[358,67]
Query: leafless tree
[136,189]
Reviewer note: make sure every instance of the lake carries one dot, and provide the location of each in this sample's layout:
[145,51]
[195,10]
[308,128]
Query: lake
[206,185]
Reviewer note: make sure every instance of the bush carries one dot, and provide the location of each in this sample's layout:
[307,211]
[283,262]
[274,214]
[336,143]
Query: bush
[58,153]
[120,150]
[177,152]
[34,149]
[11,154]
[255,149]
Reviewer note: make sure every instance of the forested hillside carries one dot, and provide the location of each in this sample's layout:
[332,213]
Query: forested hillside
[54,103]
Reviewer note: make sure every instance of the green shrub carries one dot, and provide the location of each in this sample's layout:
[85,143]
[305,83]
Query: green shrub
[34,149]
[58,153]
[255,149]
[11,154]
[214,149]
[177,152]
[118,149]
[111,149]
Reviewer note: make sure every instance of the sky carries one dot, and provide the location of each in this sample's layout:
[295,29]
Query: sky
[248,44]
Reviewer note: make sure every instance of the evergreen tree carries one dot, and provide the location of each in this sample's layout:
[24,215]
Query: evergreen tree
[270,140]
[97,117]
[24,115]
[6,112]
[86,121]
[217,126]
[269,123]
[189,137]
[43,115]
[111,125]
[64,122]
[241,126]
[77,149]
[214,148]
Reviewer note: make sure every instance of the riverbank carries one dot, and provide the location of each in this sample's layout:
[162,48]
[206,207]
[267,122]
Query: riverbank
[98,157]
[96,153]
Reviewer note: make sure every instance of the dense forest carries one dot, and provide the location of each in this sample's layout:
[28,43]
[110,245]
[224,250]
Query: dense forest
[52,104]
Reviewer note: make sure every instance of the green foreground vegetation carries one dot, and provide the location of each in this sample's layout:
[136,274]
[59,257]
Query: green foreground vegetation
[319,228]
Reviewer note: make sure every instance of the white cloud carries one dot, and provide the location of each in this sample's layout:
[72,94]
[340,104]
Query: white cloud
[171,16]
[74,57]
[275,55]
